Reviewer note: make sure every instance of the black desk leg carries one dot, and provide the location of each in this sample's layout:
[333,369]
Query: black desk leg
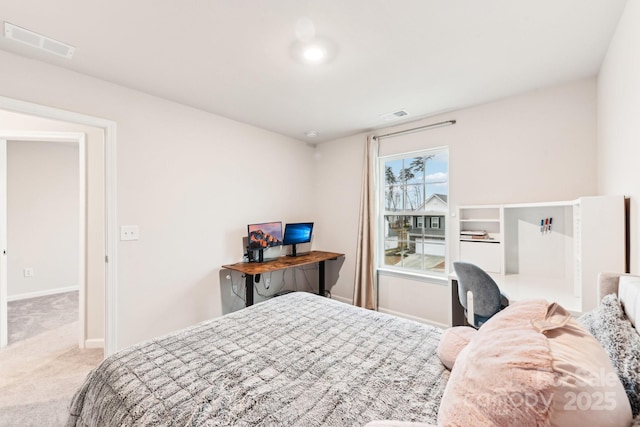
[321,278]
[248,284]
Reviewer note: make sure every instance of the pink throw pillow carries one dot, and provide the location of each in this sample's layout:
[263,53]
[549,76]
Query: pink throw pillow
[532,365]
[452,341]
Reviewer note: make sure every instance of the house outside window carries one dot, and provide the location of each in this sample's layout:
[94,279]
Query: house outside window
[413,208]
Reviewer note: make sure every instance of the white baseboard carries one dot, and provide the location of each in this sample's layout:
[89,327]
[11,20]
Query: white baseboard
[94,343]
[342,299]
[42,293]
[415,318]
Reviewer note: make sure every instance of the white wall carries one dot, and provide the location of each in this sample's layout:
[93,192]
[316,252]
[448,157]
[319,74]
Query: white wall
[192,181]
[618,124]
[95,209]
[540,146]
[42,217]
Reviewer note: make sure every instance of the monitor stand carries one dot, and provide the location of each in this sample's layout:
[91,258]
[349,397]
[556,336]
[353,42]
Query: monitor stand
[252,256]
[260,259]
[293,250]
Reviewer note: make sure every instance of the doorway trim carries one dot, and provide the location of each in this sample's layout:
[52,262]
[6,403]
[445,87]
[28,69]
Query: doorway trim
[26,136]
[111,259]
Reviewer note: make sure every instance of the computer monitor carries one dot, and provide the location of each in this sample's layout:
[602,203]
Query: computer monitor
[297,233]
[264,235]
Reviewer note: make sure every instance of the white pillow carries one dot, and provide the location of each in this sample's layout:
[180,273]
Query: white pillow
[629,296]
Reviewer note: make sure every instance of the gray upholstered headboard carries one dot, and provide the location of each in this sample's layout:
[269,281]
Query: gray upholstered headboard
[627,287]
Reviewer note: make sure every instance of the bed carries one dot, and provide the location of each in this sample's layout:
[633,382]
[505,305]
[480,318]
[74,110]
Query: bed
[298,359]
[305,360]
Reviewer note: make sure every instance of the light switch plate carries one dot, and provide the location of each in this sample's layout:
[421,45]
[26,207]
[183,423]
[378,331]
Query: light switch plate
[129,232]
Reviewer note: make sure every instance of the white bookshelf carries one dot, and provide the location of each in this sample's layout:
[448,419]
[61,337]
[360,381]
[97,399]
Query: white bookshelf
[586,237]
[486,252]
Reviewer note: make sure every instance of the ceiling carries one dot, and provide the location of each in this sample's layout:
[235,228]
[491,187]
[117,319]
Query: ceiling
[234,57]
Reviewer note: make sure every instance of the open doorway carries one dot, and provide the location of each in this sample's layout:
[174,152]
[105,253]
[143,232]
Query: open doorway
[46,238]
[47,244]
[101,254]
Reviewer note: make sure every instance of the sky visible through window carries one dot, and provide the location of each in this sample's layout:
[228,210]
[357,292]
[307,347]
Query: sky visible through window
[438,174]
[411,181]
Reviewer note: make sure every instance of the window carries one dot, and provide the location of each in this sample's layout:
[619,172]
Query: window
[435,222]
[413,206]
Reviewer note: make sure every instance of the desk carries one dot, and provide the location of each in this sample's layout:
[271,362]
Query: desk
[518,287]
[250,269]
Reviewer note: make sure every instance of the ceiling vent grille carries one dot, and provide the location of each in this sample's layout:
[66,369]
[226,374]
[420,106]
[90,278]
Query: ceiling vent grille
[395,115]
[47,44]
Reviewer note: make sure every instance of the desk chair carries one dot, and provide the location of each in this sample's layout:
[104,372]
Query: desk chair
[478,293]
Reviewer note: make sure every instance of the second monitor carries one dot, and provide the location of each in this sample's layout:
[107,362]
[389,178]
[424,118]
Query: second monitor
[297,233]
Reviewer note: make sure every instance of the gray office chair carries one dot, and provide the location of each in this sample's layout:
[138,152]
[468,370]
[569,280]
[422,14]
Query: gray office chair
[478,293]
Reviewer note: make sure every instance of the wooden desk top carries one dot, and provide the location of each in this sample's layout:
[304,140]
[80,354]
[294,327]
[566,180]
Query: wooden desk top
[283,262]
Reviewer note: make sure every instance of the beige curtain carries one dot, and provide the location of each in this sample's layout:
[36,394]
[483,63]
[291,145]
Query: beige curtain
[364,292]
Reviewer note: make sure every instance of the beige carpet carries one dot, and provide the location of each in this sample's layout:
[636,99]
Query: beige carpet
[32,316]
[38,377]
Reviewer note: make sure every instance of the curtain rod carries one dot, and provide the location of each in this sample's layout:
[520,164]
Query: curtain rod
[433,125]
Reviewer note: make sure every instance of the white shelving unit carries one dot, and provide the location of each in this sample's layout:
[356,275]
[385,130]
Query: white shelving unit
[486,250]
[561,262]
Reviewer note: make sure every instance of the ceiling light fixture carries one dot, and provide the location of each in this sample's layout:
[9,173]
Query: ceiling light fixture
[314,51]
[33,39]
[310,48]
[311,133]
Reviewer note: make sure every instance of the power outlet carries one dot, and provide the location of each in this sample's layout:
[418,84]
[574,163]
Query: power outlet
[129,232]
[28,272]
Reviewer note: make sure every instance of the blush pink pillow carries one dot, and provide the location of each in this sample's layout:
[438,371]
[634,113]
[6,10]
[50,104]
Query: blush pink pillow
[452,341]
[533,365]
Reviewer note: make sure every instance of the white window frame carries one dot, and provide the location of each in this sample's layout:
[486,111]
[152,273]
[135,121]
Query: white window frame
[381,213]
[437,222]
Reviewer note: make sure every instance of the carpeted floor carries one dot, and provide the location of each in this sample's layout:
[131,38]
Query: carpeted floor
[39,374]
[29,317]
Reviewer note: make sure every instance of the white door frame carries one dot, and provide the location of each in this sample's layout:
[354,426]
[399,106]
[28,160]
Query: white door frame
[22,136]
[4,336]
[109,127]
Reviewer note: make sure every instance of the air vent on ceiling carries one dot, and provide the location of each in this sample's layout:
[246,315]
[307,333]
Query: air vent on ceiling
[22,35]
[395,115]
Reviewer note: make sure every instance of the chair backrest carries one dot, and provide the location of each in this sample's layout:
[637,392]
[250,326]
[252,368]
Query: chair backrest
[486,294]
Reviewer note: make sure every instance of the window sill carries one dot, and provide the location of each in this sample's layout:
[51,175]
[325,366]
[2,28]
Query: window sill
[422,277]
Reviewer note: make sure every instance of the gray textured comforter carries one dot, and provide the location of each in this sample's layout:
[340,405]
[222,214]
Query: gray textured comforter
[298,359]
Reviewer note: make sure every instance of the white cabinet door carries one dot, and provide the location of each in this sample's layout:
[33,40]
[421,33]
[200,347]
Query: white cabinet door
[486,255]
